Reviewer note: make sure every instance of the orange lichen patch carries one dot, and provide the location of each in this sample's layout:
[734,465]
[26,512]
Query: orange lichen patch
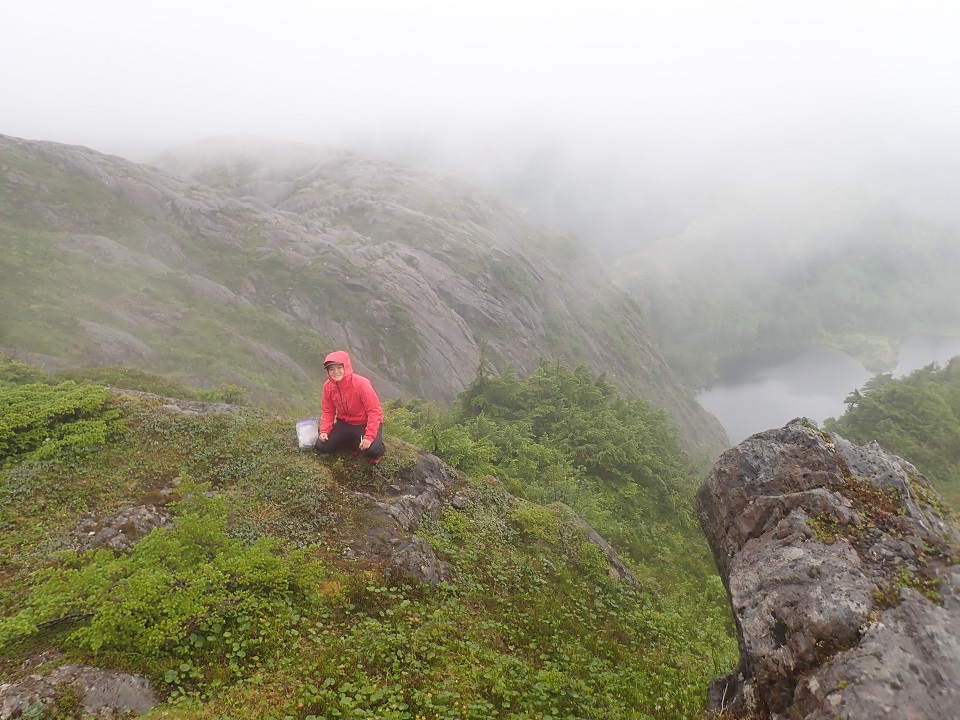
[877,502]
[330,587]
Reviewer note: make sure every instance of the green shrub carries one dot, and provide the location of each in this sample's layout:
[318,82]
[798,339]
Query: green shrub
[536,521]
[14,372]
[40,421]
[191,592]
[224,393]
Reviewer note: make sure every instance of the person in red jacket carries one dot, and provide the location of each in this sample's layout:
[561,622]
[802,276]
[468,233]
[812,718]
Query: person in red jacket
[351,417]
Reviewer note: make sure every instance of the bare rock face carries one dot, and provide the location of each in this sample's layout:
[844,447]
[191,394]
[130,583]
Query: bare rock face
[97,692]
[419,491]
[844,579]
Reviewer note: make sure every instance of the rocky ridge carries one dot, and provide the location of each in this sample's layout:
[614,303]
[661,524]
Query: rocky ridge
[843,573]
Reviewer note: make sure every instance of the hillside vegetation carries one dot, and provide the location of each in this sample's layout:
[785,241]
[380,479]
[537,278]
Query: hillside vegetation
[917,417]
[563,435]
[252,604]
[269,256]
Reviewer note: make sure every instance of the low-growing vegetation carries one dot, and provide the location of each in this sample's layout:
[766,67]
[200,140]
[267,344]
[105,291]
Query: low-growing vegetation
[250,603]
[564,435]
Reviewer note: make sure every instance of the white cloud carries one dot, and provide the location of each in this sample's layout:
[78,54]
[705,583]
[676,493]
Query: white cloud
[671,92]
[110,73]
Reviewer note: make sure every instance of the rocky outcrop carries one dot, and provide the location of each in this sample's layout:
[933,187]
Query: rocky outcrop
[122,531]
[419,491]
[388,531]
[71,690]
[843,577]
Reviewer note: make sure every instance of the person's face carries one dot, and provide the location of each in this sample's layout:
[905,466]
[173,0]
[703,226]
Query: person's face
[335,371]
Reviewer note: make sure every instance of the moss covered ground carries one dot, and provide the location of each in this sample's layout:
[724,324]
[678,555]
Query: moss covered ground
[250,604]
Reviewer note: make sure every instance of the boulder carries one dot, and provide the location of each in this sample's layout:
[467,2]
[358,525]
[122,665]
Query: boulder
[842,572]
[96,692]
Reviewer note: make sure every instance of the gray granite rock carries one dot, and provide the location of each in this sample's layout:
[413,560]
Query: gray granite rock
[102,693]
[123,530]
[842,575]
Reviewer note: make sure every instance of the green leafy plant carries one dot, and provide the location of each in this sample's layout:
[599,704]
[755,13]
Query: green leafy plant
[191,591]
[888,594]
[825,528]
[40,421]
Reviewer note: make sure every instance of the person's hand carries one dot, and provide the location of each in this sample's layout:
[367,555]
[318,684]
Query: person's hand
[324,437]
[365,443]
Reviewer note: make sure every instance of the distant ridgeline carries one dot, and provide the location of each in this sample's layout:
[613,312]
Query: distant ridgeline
[917,417]
[191,543]
[841,271]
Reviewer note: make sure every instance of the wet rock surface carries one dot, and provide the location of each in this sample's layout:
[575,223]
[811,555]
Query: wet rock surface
[419,491]
[126,528]
[99,693]
[389,527]
[843,577]
[122,531]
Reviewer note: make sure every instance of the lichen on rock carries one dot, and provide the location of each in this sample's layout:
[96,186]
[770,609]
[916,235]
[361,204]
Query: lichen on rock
[842,575]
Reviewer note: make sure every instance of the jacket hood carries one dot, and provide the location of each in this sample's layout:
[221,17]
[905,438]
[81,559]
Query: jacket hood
[339,356]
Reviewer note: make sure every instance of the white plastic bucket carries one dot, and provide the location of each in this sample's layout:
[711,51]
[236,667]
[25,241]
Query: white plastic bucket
[307,432]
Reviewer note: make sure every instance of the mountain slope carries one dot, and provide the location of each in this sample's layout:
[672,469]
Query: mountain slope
[111,262]
[194,544]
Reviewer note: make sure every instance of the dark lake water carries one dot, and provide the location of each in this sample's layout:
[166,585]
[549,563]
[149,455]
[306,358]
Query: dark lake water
[764,390]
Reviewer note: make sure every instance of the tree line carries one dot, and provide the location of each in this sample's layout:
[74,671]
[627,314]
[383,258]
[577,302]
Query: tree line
[916,417]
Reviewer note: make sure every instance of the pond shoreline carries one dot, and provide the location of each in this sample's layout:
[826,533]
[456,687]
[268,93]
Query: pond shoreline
[764,389]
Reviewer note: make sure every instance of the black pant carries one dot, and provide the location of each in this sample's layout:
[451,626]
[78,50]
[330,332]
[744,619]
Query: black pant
[347,437]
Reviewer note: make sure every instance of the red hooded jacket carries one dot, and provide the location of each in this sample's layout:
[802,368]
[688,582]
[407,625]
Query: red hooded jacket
[351,400]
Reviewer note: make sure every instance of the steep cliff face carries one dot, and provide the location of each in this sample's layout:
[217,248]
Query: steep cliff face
[250,269]
[843,576]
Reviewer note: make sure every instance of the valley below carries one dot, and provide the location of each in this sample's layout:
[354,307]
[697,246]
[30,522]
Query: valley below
[766,389]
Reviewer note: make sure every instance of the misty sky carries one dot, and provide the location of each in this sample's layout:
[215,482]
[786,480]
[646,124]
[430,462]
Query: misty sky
[677,88]
[135,77]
